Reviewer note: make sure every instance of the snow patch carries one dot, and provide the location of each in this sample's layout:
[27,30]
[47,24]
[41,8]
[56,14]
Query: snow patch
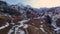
[43,30]
[6,25]
[22,22]
[25,26]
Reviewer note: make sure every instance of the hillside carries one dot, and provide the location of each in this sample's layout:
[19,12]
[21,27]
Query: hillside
[19,19]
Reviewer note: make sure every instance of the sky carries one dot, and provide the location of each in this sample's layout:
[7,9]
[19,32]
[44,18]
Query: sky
[17,1]
[36,3]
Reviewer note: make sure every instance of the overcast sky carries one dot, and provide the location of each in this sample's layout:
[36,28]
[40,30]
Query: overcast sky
[36,3]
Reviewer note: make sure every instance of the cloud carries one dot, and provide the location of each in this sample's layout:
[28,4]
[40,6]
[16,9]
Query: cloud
[45,3]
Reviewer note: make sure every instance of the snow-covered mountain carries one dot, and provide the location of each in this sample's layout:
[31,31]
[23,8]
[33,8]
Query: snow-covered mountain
[20,19]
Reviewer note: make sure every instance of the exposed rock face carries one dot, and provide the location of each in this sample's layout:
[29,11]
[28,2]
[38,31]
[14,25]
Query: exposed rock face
[58,22]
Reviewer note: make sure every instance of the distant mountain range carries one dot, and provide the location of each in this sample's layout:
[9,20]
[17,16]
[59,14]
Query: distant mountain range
[12,9]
